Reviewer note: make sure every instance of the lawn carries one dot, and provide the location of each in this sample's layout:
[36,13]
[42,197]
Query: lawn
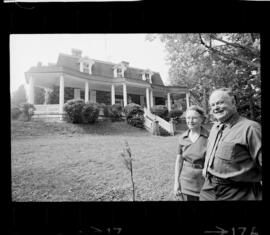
[67,162]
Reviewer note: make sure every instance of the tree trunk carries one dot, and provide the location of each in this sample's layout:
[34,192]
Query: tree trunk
[205,101]
[251,103]
[251,108]
[133,185]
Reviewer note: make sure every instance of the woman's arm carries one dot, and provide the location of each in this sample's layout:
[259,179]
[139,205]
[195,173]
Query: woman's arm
[178,169]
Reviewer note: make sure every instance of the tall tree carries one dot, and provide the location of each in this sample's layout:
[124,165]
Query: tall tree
[19,96]
[204,62]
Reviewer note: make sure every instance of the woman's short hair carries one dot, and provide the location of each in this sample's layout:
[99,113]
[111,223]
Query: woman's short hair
[198,109]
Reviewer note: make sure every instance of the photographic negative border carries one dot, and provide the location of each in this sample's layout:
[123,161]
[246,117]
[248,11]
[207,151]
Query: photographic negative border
[131,217]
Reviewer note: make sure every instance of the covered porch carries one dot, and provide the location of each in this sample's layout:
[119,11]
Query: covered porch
[98,89]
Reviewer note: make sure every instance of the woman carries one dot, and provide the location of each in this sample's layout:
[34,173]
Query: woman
[191,156]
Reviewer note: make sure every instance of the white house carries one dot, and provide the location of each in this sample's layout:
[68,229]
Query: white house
[99,81]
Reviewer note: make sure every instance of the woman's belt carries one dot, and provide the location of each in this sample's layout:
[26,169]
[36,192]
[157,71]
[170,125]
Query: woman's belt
[197,166]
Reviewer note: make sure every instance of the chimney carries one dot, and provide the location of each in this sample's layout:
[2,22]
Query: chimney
[125,63]
[39,64]
[76,52]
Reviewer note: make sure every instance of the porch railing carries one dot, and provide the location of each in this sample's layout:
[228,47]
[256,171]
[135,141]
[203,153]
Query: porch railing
[47,108]
[150,118]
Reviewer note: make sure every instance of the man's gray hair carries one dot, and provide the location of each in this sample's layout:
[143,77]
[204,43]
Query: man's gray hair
[228,91]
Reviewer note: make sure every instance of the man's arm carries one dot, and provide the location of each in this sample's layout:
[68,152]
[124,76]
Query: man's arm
[254,141]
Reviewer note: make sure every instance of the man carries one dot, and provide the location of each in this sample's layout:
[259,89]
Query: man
[233,164]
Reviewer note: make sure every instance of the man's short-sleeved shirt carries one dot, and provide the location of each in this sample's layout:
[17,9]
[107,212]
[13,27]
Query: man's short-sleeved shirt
[193,152]
[238,154]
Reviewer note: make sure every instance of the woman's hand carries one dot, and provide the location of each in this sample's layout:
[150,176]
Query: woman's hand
[204,172]
[177,189]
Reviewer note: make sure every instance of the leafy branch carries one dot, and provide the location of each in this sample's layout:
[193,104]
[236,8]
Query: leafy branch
[220,53]
[255,52]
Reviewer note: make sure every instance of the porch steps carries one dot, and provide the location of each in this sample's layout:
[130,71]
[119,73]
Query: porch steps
[156,125]
[147,128]
[164,132]
[53,117]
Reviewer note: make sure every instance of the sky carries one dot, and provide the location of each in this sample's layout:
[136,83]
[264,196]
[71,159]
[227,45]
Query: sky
[26,50]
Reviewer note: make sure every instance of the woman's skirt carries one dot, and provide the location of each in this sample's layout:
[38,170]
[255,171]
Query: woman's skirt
[191,180]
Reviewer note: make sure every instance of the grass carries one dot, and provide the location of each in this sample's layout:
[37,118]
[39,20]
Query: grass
[67,162]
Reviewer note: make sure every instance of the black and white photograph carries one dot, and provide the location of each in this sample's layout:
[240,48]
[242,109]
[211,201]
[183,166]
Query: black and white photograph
[66,1]
[136,117]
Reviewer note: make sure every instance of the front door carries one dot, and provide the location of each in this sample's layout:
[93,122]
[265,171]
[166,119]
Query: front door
[119,101]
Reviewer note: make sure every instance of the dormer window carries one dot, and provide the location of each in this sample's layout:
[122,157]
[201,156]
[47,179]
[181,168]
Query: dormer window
[86,65]
[119,72]
[119,69]
[147,76]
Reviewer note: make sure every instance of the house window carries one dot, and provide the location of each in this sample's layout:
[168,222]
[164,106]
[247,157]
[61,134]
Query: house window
[147,77]
[119,72]
[86,67]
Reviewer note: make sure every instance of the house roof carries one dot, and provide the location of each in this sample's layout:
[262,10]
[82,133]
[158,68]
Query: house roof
[68,61]
[102,68]
[71,63]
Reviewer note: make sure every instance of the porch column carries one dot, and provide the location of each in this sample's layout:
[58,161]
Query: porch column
[46,95]
[147,99]
[151,98]
[187,99]
[125,93]
[31,91]
[86,92]
[113,94]
[169,101]
[61,94]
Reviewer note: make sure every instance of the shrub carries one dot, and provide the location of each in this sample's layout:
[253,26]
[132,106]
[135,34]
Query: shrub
[115,112]
[175,115]
[136,120]
[161,111]
[73,110]
[90,112]
[134,115]
[19,96]
[27,111]
[15,113]
[132,109]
